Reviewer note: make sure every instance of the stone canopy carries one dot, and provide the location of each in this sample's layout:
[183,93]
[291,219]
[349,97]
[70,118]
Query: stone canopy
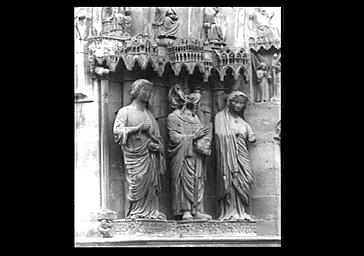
[108,52]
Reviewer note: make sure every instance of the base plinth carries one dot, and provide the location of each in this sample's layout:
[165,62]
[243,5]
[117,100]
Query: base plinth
[171,228]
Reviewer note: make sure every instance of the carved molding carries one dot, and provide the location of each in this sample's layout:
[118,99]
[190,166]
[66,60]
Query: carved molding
[171,228]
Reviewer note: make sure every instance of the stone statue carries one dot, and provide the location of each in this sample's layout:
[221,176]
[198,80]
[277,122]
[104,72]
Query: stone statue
[233,167]
[189,145]
[137,132]
[122,21]
[212,31]
[262,82]
[105,228]
[276,66]
[262,24]
[167,22]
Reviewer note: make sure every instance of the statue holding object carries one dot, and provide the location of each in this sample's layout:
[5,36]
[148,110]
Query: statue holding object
[189,145]
[137,132]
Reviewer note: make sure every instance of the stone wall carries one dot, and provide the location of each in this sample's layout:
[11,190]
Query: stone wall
[265,161]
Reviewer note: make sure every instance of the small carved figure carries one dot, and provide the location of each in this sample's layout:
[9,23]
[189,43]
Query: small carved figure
[233,166]
[122,21]
[276,66]
[278,131]
[261,23]
[262,82]
[167,22]
[105,228]
[189,145]
[212,31]
[137,131]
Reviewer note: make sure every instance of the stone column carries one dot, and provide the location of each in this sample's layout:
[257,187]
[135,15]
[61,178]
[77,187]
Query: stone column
[87,163]
[265,162]
[104,154]
[251,86]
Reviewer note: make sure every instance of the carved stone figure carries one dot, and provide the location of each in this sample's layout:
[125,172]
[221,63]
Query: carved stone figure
[276,66]
[189,146]
[262,82]
[233,167]
[122,21]
[137,131]
[166,20]
[105,228]
[212,31]
[261,23]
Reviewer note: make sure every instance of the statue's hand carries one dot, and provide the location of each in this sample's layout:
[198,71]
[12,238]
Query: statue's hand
[144,127]
[201,132]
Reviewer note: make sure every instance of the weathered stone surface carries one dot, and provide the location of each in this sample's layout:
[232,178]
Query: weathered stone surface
[265,206]
[265,183]
[268,227]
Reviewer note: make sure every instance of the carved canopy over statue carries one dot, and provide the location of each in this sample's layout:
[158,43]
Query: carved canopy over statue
[166,21]
[189,146]
[235,177]
[137,133]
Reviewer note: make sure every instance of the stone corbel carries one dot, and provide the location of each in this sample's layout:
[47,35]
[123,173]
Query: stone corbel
[101,71]
[82,97]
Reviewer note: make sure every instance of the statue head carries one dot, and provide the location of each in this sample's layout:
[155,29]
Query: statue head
[237,102]
[203,145]
[176,97]
[193,101]
[262,66]
[141,89]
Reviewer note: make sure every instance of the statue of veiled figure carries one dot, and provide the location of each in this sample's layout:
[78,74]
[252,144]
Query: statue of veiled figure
[137,132]
[232,134]
[189,145]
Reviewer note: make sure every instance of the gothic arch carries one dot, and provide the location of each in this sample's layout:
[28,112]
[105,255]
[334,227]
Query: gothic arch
[225,69]
[209,73]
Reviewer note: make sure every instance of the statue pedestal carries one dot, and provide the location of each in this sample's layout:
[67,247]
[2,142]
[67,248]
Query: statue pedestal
[163,44]
[155,233]
[195,228]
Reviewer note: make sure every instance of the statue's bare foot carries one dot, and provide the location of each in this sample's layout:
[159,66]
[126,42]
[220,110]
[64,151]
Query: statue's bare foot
[187,216]
[248,218]
[162,216]
[202,216]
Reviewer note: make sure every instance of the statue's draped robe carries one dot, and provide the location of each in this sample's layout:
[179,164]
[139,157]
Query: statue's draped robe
[214,31]
[143,166]
[263,85]
[171,24]
[187,166]
[232,156]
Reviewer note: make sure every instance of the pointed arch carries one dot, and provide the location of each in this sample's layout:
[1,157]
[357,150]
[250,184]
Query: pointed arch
[225,68]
